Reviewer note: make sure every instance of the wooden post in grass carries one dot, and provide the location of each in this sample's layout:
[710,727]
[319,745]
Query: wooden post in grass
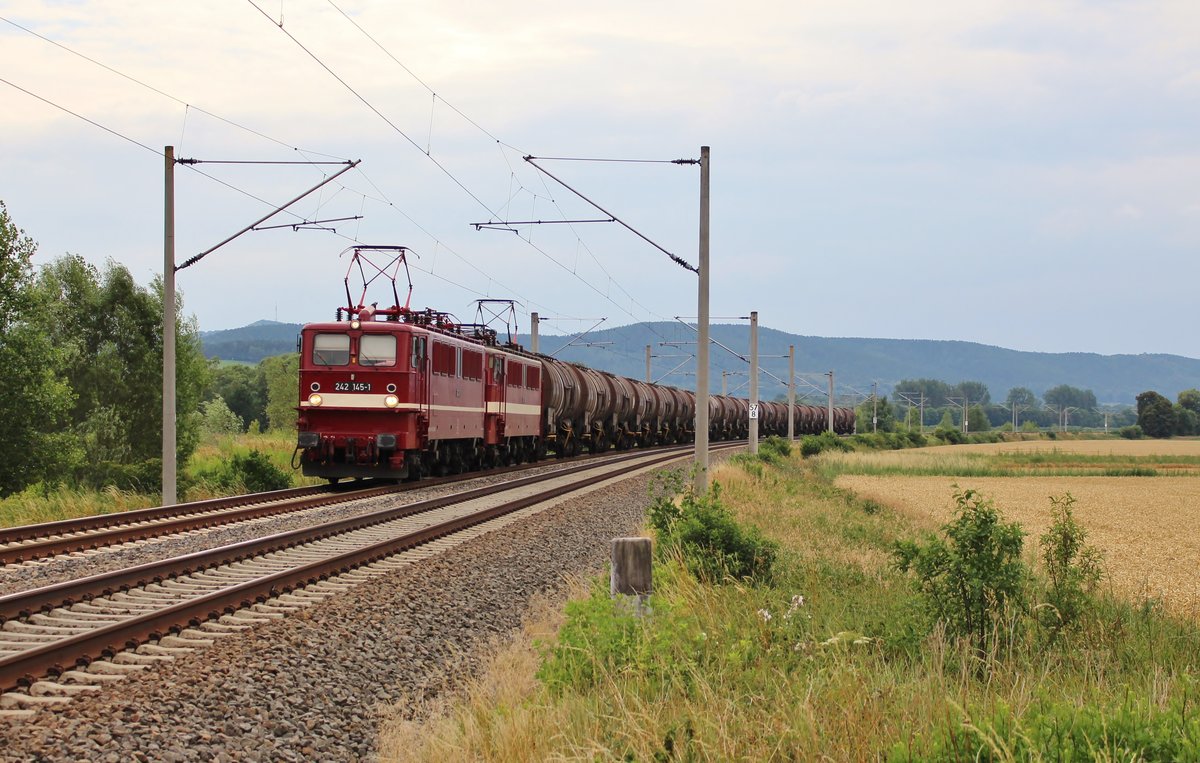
[631,575]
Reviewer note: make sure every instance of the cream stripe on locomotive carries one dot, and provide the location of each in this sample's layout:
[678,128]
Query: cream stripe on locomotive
[517,409]
[344,400]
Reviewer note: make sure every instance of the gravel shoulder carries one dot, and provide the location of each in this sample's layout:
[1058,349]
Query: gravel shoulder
[312,686]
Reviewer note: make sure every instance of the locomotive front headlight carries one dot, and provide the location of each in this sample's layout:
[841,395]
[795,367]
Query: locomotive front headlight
[391,401]
[314,399]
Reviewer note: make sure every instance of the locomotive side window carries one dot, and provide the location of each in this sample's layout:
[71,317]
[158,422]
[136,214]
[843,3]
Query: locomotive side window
[516,374]
[444,359]
[418,350]
[472,364]
[377,350]
[533,377]
[497,369]
[331,349]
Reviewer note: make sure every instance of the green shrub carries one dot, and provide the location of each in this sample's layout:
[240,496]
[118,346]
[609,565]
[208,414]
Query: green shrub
[1074,568]
[713,546]
[252,472]
[970,578]
[949,435]
[812,444]
[1133,432]
[776,447]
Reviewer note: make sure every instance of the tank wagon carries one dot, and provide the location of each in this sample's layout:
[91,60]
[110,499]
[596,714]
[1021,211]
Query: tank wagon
[396,393]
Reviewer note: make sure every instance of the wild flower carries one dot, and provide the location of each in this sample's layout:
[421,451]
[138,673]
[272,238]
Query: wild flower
[765,615]
[797,603]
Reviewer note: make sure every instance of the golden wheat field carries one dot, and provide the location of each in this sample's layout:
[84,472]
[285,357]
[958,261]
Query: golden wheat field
[1147,527]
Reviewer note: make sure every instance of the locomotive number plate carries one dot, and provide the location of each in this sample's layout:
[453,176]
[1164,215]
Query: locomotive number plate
[352,386]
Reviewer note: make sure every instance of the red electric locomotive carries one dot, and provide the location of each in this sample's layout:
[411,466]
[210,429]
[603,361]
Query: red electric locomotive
[397,393]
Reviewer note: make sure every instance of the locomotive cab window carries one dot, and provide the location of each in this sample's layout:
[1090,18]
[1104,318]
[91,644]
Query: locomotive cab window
[377,350]
[331,349]
[419,348]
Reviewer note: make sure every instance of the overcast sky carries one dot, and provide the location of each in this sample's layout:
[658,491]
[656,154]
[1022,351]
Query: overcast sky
[1017,173]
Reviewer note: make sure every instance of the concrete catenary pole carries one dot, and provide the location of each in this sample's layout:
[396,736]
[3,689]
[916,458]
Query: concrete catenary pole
[701,477]
[648,378]
[830,375]
[533,332]
[874,407]
[754,381]
[791,392]
[168,396]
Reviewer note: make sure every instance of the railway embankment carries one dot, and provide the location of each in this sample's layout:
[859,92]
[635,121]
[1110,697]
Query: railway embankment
[315,685]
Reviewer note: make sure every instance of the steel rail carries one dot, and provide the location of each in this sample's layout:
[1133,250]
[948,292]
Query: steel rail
[24,603]
[214,517]
[20,544]
[98,521]
[57,657]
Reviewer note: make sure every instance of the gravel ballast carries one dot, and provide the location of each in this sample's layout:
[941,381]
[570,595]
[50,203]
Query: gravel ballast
[310,687]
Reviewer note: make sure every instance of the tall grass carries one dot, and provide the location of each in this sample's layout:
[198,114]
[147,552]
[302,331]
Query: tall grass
[852,671]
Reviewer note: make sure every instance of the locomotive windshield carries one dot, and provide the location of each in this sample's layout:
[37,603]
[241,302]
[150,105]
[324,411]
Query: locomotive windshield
[377,350]
[332,350]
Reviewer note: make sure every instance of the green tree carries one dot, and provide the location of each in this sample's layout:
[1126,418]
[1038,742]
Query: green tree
[1190,399]
[218,419]
[973,391]
[933,390]
[881,410]
[1184,421]
[1022,396]
[282,374]
[34,406]
[977,420]
[110,330]
[243,388]
[1156,416]
[1064,395]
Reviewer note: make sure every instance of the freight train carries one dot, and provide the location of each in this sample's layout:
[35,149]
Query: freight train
[395,393]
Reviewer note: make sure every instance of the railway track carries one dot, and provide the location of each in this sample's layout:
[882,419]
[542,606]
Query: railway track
[39,542]
[71,638]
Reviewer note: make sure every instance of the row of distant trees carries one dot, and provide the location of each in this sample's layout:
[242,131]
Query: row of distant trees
[1061,406]
[81,353]
[944,404]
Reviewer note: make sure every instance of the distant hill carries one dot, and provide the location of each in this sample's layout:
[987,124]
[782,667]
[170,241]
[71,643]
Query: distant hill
[252,343]
[856,362]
